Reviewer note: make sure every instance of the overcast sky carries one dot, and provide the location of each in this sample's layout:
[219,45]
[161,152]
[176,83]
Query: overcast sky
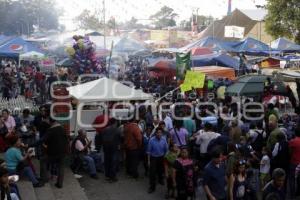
[123,10]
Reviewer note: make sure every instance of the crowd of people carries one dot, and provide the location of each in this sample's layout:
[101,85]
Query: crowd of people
[218,149]
[25,80]
[24,137]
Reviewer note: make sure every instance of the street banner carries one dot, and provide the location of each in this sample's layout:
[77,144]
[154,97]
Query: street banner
[193,80]
[183,63]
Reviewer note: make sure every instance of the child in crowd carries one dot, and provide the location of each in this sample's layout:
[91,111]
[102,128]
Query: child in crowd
[169,160]
[146,138]
[264,167]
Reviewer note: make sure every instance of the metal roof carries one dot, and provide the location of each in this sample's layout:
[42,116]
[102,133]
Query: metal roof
[257,15]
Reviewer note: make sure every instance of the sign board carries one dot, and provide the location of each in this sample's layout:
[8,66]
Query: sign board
[192,80]
[234,32]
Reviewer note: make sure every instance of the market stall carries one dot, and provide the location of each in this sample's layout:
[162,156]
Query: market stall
[217,72]
[103,90]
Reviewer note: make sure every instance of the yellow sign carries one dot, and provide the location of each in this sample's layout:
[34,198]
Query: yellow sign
[194,79]
[265,64]
[185,88]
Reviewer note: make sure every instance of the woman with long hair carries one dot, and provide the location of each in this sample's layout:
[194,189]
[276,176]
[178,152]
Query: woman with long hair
[237,182]
[184,176]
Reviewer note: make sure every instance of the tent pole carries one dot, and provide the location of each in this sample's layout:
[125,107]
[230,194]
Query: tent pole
[166,94]
[76,122]
[284,104]
[19,64]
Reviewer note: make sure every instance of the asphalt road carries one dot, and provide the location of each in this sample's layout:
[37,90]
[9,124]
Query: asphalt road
[126,189]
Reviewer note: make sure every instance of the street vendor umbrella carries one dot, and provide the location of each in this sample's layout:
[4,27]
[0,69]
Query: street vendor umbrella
[163,65]
[67,62]
[253,85]
[32,56]
[163,69]
[94,33]
[142,53]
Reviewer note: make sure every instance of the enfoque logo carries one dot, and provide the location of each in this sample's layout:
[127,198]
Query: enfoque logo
[252,111]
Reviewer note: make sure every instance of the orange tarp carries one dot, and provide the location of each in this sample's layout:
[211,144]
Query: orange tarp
[218,72]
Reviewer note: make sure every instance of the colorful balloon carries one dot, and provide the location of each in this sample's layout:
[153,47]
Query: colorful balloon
[80,43]
[70,51]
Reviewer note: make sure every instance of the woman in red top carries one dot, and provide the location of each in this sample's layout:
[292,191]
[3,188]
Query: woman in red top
[294,146]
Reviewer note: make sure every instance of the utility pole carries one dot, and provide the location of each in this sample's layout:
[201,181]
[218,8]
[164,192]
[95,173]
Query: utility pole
[39,15]
[104,19]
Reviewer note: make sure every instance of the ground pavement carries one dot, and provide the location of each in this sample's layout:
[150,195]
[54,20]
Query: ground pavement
[126,189]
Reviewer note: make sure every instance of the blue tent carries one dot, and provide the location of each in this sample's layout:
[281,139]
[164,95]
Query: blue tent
[251,46]
[284,45]
[216,59]
[4,38]
[16,46]
[231,43]
[209,42]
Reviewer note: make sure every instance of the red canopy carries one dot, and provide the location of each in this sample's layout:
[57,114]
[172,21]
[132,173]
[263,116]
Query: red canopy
[163,69]
[164,65]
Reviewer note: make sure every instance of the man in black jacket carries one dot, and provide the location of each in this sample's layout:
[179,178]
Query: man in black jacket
[56,143]
[111,138]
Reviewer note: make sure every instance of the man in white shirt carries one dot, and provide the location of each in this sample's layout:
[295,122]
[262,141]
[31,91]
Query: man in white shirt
[168,122]
[203,138]
[81,147]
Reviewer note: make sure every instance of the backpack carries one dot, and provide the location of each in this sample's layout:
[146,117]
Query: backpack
[282,157]
[258,143]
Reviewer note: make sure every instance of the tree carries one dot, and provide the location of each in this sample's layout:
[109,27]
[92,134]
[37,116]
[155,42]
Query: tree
[165,17]
[111,23]
[88,20]
[283,19]
[19,17]
[132,24]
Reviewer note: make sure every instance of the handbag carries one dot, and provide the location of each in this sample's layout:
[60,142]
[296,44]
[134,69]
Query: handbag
[180,143]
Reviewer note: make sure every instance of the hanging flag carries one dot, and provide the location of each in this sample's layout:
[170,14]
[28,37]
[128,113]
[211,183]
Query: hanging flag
[183,63]
[194,79]
[185,87]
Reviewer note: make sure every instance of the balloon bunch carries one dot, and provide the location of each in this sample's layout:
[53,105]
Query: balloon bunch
[83,56]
